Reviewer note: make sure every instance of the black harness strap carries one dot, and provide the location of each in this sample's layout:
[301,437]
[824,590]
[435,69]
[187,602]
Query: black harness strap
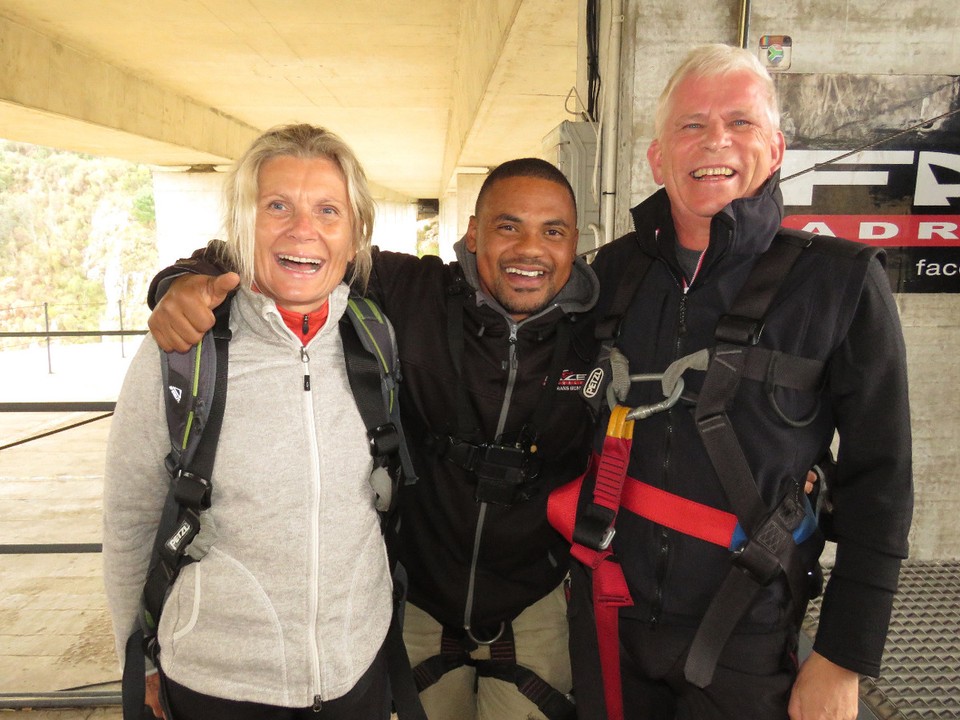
[594,523]
[364,375]
[608,327]
[770,546]
[455,649]
[503,665]
[189,494]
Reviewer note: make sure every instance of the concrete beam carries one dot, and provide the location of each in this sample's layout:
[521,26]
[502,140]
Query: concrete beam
[72,100]
[506,75]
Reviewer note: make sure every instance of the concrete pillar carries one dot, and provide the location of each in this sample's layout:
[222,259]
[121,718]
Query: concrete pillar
[395,226]
[188,212]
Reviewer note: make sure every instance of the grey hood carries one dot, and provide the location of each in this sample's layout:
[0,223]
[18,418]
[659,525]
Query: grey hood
[578,295]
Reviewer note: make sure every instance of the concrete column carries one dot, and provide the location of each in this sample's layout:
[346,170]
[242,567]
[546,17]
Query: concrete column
[188,212]
[456,207]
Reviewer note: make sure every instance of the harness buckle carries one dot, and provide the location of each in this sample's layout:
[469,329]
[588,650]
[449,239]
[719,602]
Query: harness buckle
[384,440]
[758,562]
[594,527]
[500,472]
[739,330]
[761,555]
[191,491]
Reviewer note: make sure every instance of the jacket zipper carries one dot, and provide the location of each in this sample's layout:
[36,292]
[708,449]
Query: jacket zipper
[512,363]
[663,547]
[315,531]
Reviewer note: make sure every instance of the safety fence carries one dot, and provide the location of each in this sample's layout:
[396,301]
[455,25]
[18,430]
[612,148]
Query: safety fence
[48,324]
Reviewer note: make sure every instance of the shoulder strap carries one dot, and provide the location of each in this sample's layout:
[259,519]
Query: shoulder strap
[194,403]
[608,327]
[373,369]
[769,548]
[195,393]
[743,323]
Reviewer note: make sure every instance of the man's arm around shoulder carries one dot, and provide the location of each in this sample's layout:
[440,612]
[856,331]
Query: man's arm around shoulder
[184,295]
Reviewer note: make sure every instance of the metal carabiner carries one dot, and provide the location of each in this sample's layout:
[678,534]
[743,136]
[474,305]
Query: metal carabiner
[641,412]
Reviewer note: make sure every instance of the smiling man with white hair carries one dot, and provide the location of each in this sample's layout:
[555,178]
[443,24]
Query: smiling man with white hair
[781,339]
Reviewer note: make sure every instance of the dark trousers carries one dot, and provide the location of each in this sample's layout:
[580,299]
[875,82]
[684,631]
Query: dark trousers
[752,681]
[369,699]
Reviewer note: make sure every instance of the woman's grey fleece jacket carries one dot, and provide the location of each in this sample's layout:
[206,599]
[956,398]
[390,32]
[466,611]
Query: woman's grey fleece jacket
[293,600]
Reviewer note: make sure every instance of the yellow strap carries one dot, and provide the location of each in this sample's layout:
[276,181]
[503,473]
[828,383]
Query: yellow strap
[619,426]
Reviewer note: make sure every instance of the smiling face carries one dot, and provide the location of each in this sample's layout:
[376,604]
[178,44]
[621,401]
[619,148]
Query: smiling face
[304,233]
[525,237]
[717,144]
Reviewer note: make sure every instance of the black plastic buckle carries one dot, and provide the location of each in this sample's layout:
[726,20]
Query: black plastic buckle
[500,473]
[384,440]
[761,564]
[594,527]
[191,491]
[738,330]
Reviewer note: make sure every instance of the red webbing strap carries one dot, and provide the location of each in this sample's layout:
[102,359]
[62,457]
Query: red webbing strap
[562,503]
[678,513]
[614,458]
[610,591]
[659,506]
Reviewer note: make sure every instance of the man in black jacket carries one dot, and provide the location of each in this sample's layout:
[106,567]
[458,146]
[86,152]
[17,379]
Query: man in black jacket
[826,355]
[494,349]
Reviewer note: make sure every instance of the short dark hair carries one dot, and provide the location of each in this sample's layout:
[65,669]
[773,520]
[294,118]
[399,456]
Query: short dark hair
[525,167]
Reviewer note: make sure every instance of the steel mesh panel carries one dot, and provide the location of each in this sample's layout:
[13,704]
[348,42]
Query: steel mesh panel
[921,665]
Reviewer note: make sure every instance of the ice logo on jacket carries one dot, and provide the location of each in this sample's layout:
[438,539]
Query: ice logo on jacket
[571,381]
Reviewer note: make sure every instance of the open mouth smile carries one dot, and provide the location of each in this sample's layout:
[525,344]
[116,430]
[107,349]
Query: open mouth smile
[299,263]
[710,172]
[525,273]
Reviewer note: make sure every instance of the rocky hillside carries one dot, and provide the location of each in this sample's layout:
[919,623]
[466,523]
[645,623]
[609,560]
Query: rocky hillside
[76,232]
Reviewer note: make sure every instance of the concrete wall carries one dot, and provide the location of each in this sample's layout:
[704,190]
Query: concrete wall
[853,37]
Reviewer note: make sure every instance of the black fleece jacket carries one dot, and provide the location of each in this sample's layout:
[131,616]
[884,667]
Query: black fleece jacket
[836,307]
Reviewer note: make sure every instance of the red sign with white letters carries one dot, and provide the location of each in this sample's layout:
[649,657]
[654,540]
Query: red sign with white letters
[906,201]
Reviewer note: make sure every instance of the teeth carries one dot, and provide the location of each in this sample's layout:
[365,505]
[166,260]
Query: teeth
[524,273]
[302,260]
[703,172]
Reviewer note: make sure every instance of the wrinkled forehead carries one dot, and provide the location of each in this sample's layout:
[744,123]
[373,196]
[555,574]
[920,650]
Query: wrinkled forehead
[740,91]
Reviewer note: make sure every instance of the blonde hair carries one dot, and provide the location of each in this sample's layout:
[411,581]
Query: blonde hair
[241,190]
[709,61]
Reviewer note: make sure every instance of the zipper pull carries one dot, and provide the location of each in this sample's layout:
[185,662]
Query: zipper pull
[304,358]
[317,704]
[512,361]
[306,325]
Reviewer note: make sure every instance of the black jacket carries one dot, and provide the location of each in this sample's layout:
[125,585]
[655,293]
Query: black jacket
[446,538]
[519,557]
[836,307]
